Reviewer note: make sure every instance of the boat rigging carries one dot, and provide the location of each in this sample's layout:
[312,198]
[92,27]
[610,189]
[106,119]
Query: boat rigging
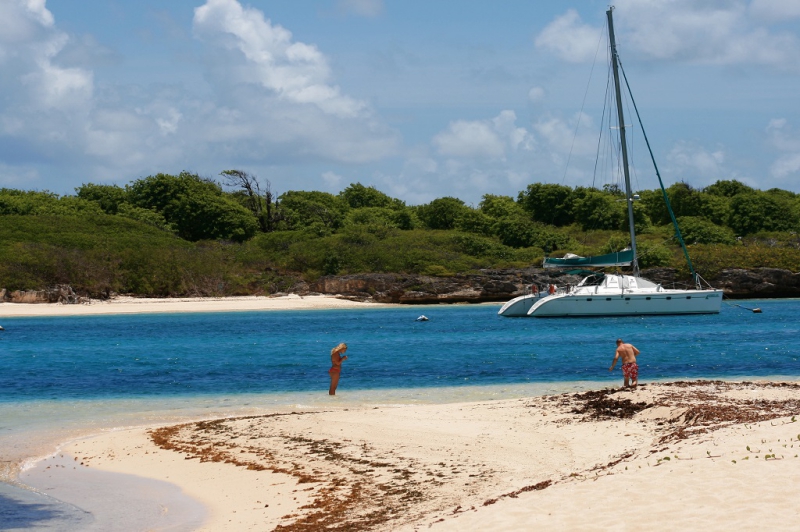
[601,294]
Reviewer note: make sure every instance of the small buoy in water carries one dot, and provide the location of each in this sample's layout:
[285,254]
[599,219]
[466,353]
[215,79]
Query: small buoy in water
[757,311]
[422,318]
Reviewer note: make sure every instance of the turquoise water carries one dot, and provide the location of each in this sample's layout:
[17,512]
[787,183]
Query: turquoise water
[195,355]
[67,376]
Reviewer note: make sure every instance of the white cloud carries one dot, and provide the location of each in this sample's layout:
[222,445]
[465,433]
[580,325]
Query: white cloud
[270,100]
[781,135]
[21,21]
[295,71]
[775,10]
[720,33]
[569,38]
[695,160]
[29,45]
[536,94]
[578,136]
[469,139]
[168,120]
[787,143]
[786,165]
[332,180]
[363,8]
[483,138]
[15,177]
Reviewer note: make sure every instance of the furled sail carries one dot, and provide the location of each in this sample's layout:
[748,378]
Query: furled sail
[620,258]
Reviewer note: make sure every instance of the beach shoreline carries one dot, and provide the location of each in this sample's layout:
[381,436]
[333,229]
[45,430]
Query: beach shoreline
[549,455]
[136,305]
[490,465]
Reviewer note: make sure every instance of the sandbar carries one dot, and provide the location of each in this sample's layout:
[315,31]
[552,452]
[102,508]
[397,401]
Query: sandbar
[712,454]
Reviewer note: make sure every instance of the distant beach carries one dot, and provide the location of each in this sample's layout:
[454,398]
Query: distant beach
[135,305]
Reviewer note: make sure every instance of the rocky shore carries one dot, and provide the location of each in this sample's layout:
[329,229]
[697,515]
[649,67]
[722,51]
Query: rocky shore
[502,285]
[484,286]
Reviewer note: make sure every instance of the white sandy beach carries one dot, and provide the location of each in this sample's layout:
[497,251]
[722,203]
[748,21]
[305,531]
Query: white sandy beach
[711,455]
[135,305]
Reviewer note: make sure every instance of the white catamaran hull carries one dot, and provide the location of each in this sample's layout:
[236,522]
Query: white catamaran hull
[666,302]
[519,306]
[614,295]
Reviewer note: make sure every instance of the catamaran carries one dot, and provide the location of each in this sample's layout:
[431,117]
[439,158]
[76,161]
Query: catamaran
[616,294]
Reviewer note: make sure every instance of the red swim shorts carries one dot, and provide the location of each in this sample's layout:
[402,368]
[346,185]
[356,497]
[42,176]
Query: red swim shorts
[630,370]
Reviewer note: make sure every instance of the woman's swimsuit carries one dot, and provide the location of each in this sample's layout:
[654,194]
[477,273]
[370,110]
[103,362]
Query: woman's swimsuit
[335,369]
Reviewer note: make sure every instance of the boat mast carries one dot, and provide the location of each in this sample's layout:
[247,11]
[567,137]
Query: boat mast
[621,118]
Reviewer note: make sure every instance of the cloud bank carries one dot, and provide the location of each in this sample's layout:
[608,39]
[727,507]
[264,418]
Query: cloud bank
[266,101]
[270,99]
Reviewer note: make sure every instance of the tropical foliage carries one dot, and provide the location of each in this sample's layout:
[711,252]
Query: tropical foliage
[166,235]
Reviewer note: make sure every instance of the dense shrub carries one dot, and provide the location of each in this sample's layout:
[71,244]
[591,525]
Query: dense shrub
[700,231]
[197,208]
[170,235]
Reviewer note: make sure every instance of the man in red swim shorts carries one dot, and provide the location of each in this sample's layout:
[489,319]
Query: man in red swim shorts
[630,369]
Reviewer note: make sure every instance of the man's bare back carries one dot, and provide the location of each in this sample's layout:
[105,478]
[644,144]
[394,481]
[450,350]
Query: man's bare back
[630,369]
[627,353]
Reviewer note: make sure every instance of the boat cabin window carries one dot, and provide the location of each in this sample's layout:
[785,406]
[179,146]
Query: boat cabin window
[612,282]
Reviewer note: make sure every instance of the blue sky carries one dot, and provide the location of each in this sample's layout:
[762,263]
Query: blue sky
[420,99]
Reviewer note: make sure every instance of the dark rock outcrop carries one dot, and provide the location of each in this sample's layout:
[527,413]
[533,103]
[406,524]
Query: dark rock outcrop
[502,285]
[760,282]
[487,286]
[57,294]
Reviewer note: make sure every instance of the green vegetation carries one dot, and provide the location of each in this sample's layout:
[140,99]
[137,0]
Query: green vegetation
[168,235]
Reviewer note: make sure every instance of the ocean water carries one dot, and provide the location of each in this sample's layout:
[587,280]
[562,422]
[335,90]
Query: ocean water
[65,376]
[229,354]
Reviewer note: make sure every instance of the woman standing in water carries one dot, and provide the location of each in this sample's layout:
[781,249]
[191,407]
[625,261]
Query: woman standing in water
[336,366]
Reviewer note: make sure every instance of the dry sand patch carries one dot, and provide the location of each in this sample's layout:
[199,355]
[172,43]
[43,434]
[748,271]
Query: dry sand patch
[466,466]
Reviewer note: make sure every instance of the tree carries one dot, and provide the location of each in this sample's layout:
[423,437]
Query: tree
[716,209]
[596,210]
[728,188]
[701,231]
[43,203]
[108,197]
[305,209]
[521,232]
[475,221]
[358,196]
[652,201]
[548,203]
[500,206]
[442,213]
[684,199]
[759,211]
[196,207]
[259,202]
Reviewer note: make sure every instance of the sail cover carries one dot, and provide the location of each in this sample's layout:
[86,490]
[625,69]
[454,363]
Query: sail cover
[620,258]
